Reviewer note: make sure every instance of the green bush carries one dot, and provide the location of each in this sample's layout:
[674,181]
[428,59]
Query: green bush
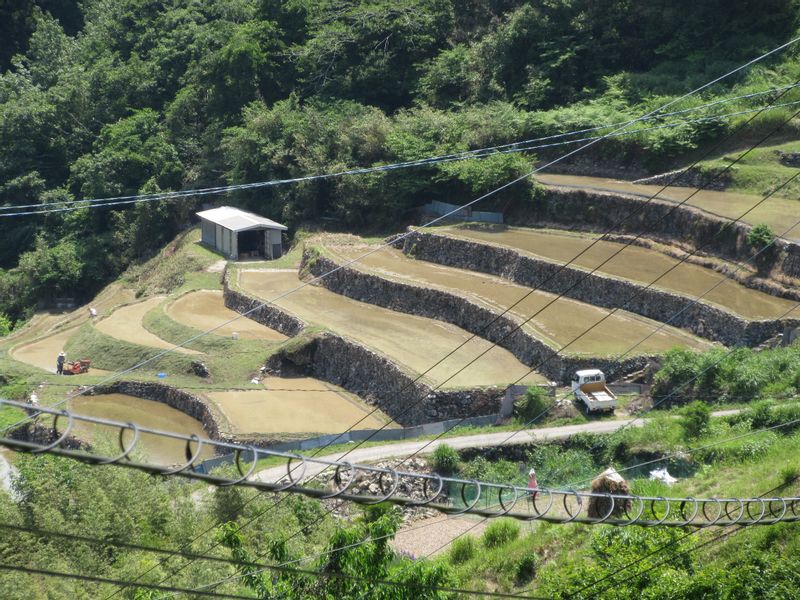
[695,419]
[5,325]
[500,532]
[533,405]
[445,460]
[760,236]
[462,549]
[526,568]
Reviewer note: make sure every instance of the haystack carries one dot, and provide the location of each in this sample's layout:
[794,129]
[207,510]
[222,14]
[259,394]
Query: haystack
[609,482]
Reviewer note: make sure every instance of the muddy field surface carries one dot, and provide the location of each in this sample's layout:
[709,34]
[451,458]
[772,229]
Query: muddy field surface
[778,213]
[126,324]
[296,405]
[560,323]
[637,264]
[415,342]
[205,309]
[43,354]
[147,413]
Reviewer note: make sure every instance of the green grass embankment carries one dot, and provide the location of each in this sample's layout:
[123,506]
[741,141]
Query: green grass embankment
[759,172]
[112,354]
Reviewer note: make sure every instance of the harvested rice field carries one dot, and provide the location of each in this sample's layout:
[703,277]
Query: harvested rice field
[296,405]
[778,213]
[43,353]
[559,323]
[205,309]
[147,413]
[416,342]
[638,264]
[125,324]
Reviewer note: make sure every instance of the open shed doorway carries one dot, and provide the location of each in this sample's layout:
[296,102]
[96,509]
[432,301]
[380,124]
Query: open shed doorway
[252,244]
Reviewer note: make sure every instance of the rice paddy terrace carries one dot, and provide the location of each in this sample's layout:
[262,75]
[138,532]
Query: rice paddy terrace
[455,313]
[730,205]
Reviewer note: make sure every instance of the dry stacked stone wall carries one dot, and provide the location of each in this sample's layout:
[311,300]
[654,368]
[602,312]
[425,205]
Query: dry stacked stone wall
[185,402]
[259,311]
[702,319]
[503,330]
[629,213]
[381,382]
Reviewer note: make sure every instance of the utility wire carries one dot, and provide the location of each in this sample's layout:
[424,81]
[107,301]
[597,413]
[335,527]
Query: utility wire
[333,441]
[72,205]
[714,540]
[123,584]
[555,161]
[282,568]
[661,326]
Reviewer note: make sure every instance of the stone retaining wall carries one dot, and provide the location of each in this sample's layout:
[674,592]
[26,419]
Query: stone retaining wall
[503,330]
[598,210]
[379,381]
[39,434]
[704,320]
[259,311]
[187,403]
[696,178]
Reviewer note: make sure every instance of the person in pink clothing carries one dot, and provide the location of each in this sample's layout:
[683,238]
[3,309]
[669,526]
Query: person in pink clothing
[533,485]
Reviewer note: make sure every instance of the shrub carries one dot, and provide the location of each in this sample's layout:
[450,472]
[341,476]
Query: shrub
[760,236]
[462,549]
[760,415]
[500,532]
[532,405]
[5,325]
[789,474]
[526,568]
[695,420]
[445,460]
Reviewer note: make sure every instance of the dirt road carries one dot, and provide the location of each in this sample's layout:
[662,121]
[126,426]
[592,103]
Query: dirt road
[479,440]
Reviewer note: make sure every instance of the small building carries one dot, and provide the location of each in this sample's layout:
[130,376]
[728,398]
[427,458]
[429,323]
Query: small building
[240,234]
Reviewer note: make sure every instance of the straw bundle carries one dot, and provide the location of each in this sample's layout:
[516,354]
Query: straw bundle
[609,482]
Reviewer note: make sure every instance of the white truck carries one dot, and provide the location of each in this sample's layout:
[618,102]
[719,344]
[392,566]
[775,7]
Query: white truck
[589,387]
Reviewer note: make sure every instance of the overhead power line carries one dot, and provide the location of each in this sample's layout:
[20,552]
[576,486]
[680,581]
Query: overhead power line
[118,582]
[480,198]
[282,568]
[517,147]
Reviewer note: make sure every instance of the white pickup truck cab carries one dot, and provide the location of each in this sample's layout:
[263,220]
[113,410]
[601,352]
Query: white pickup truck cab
[589,387]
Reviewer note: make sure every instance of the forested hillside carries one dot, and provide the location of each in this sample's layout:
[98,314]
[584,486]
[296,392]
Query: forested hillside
[104,98]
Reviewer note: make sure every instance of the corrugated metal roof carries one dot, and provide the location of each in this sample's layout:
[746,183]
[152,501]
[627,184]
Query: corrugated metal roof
[238,220]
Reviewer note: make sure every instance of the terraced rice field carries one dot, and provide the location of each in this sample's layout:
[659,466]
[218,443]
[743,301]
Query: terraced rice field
[778,213]
[296,405]
[147,413]
[416,342]
[43,353]
[559,323]
[125,324]
[205,309]
[638,264]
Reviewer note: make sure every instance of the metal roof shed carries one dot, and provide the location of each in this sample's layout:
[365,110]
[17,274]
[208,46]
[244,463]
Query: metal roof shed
[240,234]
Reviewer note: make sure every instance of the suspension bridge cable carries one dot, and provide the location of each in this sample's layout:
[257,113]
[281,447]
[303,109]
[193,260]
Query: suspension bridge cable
[569,486]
